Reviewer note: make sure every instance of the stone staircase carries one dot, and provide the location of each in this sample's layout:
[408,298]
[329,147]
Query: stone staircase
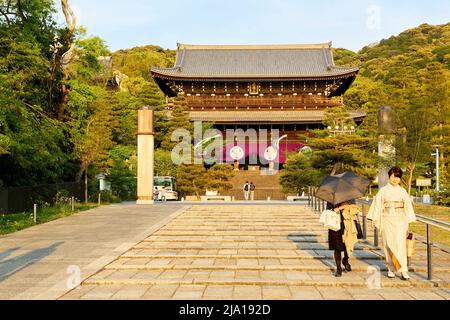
[266,186]
[255,252]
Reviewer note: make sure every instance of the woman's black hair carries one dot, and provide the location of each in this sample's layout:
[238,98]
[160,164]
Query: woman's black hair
[396,171]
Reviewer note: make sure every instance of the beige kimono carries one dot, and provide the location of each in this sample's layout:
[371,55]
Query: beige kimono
[391,212]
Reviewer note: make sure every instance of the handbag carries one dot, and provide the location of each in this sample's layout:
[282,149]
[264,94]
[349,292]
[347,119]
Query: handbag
[410,245]
[330,220]
[359,229]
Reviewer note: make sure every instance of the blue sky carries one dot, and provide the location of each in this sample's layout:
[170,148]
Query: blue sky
[351,24]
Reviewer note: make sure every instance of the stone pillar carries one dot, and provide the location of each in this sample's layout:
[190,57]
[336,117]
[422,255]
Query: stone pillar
[145,152]
[386,143]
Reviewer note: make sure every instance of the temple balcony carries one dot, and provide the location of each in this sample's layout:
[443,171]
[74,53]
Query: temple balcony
[265,102]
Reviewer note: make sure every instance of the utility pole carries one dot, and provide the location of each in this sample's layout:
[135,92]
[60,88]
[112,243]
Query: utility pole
[437,166]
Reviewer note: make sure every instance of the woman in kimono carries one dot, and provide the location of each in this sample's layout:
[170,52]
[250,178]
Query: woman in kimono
[392,212]
[344,239]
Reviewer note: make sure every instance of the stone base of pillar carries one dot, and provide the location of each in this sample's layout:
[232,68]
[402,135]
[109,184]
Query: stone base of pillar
[145,202]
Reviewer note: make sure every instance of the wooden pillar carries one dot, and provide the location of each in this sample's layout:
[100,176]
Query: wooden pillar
[145,152]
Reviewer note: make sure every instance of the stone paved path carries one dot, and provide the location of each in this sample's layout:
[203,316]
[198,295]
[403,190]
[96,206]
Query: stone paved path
[34,263]
[253,252]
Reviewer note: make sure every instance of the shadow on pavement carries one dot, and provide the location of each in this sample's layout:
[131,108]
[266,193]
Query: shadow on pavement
[310,243]
[14,265]
[7,253]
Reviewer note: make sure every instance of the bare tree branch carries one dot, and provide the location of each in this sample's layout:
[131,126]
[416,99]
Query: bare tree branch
[60,59]
[20,10]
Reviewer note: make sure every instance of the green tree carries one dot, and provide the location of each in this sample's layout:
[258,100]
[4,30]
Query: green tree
[123,170]
[298,174]
[164,165]
[218,177]
[336,151]
[92,141]
[192,178]
[179,119]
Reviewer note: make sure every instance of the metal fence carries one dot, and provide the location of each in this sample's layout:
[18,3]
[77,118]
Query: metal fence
[320,205]
[21,199]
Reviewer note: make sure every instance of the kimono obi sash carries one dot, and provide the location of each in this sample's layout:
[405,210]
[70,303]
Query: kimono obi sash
[393,208]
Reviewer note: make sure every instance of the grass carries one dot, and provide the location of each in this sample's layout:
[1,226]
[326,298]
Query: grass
[18,221]
[438,235]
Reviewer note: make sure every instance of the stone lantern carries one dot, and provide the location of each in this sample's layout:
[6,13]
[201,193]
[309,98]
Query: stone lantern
[386,143]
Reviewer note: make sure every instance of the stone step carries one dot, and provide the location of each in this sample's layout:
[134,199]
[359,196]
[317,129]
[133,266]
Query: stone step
[284,236]
[331,282]
[257,215]
[244,230]
[319,239]
[249,217]
[281,240]
[245,225]
[227,257]
[306,246]
[260,234]
[365,255]
[329,267]
[257,218]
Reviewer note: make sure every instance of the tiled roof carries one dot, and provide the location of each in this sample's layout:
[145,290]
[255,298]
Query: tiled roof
[291,116]
[254,61]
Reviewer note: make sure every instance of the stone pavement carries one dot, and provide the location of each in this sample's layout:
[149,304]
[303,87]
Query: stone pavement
[250,251]
[36,263]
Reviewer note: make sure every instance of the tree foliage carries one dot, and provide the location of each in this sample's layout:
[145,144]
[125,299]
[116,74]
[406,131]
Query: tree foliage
[298,174]
[65,112]
[411,73]
[219,176]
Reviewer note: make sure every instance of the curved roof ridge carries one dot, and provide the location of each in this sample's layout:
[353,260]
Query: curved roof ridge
[325,45]
[344,68]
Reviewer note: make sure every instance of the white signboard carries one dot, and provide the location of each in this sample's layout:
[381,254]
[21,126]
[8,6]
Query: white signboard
[270,154]
[236,153]
[423,182]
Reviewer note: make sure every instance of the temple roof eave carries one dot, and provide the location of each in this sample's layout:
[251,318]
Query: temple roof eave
[162,74]
[261,117]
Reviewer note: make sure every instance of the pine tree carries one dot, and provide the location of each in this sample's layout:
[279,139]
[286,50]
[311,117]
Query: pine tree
[179,119]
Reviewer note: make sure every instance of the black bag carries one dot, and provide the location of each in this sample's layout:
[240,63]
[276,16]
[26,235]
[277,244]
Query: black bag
[359,230]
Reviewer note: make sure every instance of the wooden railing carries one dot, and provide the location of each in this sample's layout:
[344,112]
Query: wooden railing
[264,102]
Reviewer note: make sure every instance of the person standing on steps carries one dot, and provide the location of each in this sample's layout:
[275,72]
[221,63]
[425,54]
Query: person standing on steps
[246,190]
[252,191]
[345,238]
[391,213]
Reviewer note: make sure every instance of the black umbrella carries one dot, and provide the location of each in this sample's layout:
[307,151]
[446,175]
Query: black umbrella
[342,187]
[361,183]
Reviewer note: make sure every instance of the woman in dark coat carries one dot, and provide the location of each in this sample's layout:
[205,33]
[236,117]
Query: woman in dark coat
[336,243]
